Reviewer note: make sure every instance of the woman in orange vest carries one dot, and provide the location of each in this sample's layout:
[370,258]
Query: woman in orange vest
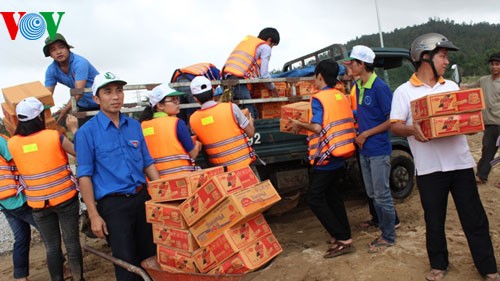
[172,155]
[49,185]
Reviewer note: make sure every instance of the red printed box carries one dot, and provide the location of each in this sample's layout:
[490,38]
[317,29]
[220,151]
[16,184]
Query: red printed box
[214,191]
[182,186]
[230,242]
[448,103]
[173,260]
[306,88]
[235,208]
[167,214]
[251,257]
[450,125]
[299,111]
[181,239]
[261,91]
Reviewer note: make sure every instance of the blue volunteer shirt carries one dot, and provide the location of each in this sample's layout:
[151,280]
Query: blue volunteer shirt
[115,158]
[317,117]
[374,106]
[79,69]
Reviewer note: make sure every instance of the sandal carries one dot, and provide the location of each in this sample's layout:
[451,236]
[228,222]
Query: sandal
[338,249]
[480,180]
[436,274]
[492,278]
[379,245]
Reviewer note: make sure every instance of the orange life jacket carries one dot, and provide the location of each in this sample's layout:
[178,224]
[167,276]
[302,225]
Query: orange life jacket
[225,143]
[200,69]
[43,168]
[242,62]
[167,151]
[337,135]
[9,185]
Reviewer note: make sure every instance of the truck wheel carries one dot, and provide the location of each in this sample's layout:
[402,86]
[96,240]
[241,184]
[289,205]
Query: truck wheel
[402,174]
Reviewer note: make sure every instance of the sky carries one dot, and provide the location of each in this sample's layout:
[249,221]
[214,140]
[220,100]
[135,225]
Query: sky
[144,41]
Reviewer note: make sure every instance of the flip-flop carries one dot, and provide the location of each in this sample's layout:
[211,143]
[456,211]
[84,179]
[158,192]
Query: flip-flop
[378,246]
[493,278]
[436,274]
[480,180]
[338,249]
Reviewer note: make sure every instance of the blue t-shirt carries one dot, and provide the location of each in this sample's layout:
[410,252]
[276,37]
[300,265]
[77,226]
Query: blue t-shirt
[374,106]
[79,69]
[115,158]
[317,117]
[13,202]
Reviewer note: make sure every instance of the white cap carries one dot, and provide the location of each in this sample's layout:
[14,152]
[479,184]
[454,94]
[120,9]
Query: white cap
[104,79]
[361,53]
[200,84]
[160,92]
[28,109]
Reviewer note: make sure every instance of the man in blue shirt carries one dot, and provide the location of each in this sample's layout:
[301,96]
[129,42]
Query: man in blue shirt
[112,158]
[71,70]
[374,106]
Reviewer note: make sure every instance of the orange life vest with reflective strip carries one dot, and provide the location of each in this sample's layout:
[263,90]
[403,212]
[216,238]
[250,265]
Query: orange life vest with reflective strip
[242,62]
[225,143]
[199,69]
[8,177]
[167,151]
[337,135]
[43,168]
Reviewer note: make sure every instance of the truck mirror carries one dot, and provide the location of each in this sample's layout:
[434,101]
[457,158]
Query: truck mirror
[455,75]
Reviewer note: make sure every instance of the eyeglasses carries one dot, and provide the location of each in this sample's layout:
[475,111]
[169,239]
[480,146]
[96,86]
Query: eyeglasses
[173,100]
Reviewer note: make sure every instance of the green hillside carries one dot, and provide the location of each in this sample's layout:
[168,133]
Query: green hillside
[476,41]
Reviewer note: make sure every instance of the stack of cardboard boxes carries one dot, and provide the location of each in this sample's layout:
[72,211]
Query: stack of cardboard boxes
[450,113]
[210,221]
[13,95]
[299,111]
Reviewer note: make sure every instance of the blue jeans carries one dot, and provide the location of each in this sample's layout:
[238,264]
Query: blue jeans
[52,221]
[241,92]
[19,221]
[376,171]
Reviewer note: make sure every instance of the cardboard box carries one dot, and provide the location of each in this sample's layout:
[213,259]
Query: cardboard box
[299,111]
[251,257]
[174,238]
[9,127]
[235,208]
[270,110]
[306,88]
[167,214]
[13,95]
[450,125]
[448,103]
[9,113]
[214,191]
[175,260]
[181,186]
[261,91]
[230,242]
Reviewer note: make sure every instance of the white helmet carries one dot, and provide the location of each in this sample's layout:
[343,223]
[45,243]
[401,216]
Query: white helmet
[428,43]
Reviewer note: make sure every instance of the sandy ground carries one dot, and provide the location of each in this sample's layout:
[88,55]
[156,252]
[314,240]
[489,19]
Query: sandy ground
[303,240]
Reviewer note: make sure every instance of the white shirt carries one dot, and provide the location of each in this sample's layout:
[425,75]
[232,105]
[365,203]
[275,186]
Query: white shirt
[437,155]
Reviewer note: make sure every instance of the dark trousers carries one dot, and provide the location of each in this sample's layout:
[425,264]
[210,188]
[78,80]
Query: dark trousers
[130,236]
[325,200]
[434,189]
[51,222]
[490,136]
[20,221]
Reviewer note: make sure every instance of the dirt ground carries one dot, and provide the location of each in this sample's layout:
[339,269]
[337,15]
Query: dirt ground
[303,240]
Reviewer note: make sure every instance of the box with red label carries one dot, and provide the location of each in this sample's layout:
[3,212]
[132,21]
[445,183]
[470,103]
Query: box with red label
[167,214]
[175,260]
[299,111]
[175,238]
[230,242]
[261,91]
[448,103]
[214,191]
[13,95]
[235,208]
[180,187]
[270,110]
[450,125]
[306,88]
[252,257]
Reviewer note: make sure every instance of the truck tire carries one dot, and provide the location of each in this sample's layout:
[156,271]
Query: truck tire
[402,174]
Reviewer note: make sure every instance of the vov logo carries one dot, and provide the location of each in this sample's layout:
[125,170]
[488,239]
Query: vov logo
[32,26]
